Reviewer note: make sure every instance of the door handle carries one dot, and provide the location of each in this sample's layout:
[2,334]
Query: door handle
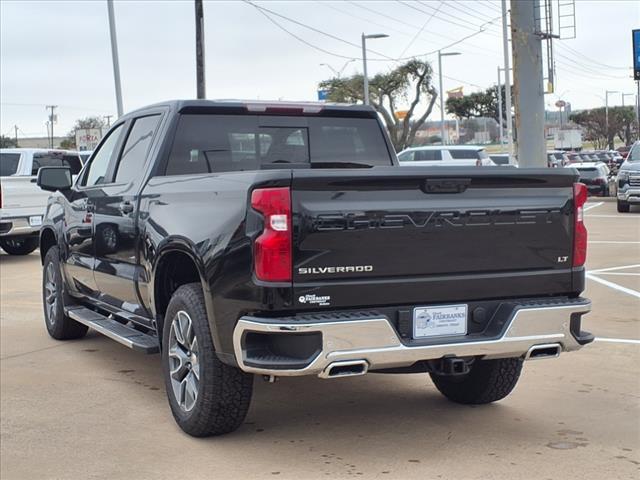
[126,207]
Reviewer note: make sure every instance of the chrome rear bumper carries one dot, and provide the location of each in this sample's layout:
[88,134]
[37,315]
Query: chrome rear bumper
[374,340]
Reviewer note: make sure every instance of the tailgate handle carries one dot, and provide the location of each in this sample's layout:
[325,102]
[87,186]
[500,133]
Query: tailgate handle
[447,185]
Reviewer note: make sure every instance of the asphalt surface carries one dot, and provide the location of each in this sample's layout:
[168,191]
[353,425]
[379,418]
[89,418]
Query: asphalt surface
[94,409]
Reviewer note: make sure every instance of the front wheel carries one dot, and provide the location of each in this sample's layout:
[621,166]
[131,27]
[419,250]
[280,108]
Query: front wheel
[623,207]
[19,246]
[488,381]
[54,298]
[207,397]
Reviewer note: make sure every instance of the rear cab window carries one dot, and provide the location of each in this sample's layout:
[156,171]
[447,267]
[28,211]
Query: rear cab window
[9,164]
[56,159]
[464,154]
[210,143]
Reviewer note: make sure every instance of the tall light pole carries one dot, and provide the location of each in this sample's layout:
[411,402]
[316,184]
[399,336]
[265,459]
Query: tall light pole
[440,55]
[200,80]
[338,73]
[626,95]
[364,61]
[606,115]
[114,56]
[507,80]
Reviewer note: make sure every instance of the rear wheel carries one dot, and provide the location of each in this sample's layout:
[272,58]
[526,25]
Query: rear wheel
[54,298]
[488,381]
[207,397]
[19,246]
[623,207]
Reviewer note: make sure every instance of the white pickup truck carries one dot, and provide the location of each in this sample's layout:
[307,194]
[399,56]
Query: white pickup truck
[22,202]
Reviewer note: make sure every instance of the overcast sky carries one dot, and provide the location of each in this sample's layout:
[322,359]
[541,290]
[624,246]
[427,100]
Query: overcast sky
[59,53]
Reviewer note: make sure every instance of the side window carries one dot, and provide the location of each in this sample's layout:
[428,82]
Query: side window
[406,156]
[44,160]
[97,169]
[428,155]
[136,147]
[73,162]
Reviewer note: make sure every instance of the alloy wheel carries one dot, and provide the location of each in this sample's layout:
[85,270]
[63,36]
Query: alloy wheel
[51,294]
[184,367]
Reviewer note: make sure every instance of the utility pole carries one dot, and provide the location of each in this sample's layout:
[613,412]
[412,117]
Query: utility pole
[440,55]
[528,82]
[52,109]
[15,127]
[108,120]
[507,81]
[606,116]
[114,56]
[364,63]
[200,80]
[500,110]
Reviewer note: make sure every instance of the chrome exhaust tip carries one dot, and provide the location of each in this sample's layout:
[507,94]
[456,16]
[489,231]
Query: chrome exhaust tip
[347,368]
[547,350]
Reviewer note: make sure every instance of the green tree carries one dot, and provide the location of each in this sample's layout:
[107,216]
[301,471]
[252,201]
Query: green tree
[69,141]
[408,83]
[594,123]
[479,104]
[7,142]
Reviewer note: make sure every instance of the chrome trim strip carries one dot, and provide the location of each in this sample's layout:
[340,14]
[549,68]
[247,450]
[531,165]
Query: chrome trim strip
[375,341]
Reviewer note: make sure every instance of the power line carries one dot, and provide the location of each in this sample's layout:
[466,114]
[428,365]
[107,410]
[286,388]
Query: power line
[386,57]
[463,25]
[467,8]
[589,59]
[386,16]
[284,29]
[580,66]
[421,29]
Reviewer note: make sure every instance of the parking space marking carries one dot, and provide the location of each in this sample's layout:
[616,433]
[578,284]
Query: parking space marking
[620,273]
[595,215]
[615,286]
[613,241]
[611,269]
[589,206]
[618,340]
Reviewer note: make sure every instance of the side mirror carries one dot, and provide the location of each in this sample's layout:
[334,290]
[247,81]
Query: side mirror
[54,178]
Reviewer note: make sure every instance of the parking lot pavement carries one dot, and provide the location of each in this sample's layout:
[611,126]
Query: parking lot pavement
[94,409]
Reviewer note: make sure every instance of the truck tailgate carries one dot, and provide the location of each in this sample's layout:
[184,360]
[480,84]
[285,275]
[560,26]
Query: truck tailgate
[390,235]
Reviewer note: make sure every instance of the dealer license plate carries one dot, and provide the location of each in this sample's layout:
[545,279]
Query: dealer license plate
[439,321]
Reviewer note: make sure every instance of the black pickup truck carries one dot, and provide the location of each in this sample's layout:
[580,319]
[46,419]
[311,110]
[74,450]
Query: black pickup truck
[283,239]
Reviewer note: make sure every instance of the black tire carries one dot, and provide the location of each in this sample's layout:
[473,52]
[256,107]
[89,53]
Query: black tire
[19,246]
[58,324]
[223,392]
[623,207]
[488,381]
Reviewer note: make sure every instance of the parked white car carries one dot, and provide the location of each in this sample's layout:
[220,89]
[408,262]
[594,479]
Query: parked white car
[445,156]
[22,202]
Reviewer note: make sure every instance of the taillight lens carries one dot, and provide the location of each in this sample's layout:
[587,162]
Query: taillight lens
[272,249]
[580,231]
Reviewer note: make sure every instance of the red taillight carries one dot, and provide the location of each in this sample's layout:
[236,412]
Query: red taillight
[272,249]
[580,231]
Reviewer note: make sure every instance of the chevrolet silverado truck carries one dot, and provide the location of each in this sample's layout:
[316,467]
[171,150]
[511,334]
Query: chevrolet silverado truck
[245,238]
[22,203]
[628,180]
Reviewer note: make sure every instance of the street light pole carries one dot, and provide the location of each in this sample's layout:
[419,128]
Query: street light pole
[501,132]
[606,116]
[338,73]
[507,81]
[114,56]
[440,55]
[364,62]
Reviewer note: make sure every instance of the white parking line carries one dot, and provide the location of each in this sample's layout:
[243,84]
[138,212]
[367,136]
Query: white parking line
[615,286]
[611,269]
[618,340]
[589,206]
[613,241]
[623,274]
